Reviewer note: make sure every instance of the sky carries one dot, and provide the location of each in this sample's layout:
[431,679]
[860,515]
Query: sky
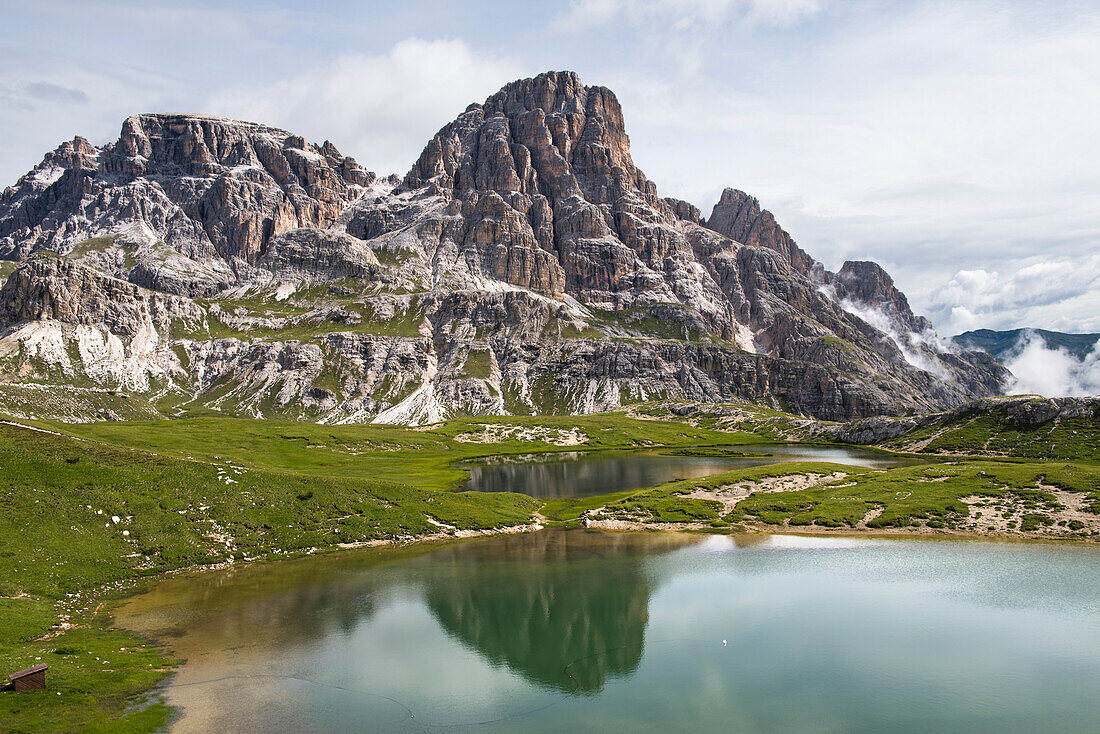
[955,143]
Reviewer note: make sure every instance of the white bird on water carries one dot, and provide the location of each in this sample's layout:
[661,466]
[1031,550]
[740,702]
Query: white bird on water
[723,643]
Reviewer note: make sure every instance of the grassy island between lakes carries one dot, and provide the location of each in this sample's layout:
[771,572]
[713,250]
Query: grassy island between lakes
[92,511]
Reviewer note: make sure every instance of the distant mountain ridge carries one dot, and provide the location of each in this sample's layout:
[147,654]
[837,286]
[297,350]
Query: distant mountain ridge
[524,264]
[1001,344]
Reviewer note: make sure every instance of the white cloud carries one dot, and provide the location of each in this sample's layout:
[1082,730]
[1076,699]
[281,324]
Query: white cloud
[937,137]
[933,136]
[918,349]
[381,109]
[1052,372]
[1061,294]
[682,15]
[679,36]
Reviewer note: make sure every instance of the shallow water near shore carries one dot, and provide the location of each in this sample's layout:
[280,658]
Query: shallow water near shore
[593,631]
[583,474]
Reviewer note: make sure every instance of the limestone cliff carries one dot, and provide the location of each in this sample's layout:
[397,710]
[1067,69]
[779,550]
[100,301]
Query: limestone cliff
[523,264]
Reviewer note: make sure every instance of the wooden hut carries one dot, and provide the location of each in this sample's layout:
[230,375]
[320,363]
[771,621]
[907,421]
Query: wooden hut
[30,679]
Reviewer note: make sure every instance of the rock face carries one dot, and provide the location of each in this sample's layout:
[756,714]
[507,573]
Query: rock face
[1019,412]
[867,284]
[523,264]
[48,288]
[71,324]
[212,193]
[739,217]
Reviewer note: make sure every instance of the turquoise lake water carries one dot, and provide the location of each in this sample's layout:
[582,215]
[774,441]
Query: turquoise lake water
[586,631]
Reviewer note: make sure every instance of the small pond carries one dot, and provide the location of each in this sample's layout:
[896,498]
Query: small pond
[583,474]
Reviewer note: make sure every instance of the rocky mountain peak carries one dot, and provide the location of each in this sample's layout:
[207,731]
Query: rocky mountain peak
[542,176]
[203,187]
[865,283]
[203,145]
[523,264]
[739,216]
[550,134]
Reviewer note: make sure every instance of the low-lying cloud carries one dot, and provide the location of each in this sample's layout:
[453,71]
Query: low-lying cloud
[1036,368]
[918,349]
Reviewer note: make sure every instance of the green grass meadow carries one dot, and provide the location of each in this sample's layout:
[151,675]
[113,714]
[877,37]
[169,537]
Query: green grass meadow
[90,511]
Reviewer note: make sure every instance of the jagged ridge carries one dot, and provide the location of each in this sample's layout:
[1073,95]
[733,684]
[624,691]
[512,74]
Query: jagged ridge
[523,264]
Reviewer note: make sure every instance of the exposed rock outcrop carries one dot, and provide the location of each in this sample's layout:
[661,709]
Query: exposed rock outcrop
[867,284]
[523,264]
[1021,412]
[318,254]
[72,324]
[48,288]
[214,192]
[739,216]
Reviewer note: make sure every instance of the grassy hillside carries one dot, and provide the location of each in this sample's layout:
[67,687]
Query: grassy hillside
[81,519]
[88,510]
[369,451]
[990,428]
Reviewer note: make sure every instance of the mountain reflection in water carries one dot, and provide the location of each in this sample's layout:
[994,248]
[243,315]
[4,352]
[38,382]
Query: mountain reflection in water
[581,474]
[568,620]
[587,631]
[566,610]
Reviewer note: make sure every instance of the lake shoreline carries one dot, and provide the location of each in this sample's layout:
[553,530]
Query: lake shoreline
[199,669]
[921,533]
[148,501]
[441,539]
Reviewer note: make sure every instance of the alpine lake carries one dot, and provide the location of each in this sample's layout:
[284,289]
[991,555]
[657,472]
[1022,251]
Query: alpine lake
[589,631]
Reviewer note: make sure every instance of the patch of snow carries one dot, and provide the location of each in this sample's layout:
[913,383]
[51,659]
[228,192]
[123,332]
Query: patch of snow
[309,155]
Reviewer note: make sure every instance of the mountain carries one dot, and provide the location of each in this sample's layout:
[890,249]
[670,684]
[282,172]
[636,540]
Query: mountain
[524,264]
[1016,426]
[1001,344]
